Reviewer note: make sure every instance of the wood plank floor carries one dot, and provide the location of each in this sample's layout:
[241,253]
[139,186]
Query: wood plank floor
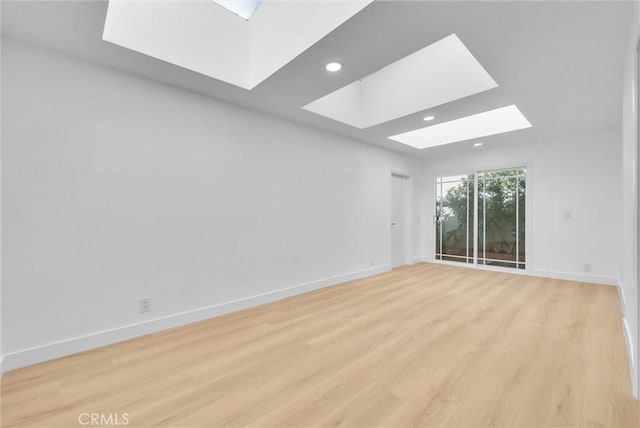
[423,345]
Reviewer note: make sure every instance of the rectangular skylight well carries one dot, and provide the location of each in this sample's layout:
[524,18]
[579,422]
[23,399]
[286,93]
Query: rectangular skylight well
[437,74]
[243,8]
[219,44]
[490,122]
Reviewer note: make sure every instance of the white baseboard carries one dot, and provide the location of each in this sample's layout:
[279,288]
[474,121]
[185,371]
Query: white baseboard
[632,362]
[622,297]
[26,357]
[420,259]
[593,279]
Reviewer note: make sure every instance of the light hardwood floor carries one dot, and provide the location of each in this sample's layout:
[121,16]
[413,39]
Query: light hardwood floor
[423,345]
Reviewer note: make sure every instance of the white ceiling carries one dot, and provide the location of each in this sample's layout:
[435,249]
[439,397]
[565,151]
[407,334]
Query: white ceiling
[561,63]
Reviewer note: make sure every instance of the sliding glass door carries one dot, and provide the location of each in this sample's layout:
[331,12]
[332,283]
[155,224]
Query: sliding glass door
[497,200]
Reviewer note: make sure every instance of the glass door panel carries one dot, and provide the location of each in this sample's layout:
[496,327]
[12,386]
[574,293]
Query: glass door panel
[501,218]
[454,218]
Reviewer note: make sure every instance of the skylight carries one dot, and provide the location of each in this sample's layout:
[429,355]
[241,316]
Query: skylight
[490,122]
[442,72]
[243,8]
[209,38]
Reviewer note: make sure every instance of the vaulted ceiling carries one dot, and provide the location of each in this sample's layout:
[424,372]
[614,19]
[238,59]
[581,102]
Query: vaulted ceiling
[560,63]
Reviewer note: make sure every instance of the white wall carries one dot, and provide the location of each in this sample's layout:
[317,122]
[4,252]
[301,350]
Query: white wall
[580,174]
[117,188]
[1,354]
[629,273]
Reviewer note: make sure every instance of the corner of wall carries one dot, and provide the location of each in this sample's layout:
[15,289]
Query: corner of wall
[626,332]
[632,363]
[629,265]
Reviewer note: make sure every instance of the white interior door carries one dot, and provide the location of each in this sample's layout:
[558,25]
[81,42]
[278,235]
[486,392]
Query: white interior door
[399,226]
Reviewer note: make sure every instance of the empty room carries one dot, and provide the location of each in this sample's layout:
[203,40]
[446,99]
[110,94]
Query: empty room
[312,213]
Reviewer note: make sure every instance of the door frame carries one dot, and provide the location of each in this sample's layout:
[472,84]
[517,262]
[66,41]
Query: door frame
[408,204]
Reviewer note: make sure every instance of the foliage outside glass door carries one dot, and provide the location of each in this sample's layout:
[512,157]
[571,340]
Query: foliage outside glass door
[497,201]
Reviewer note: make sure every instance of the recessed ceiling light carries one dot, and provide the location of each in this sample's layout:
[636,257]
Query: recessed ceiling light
[478,144]
[478,125]
[428,118]
[333,67]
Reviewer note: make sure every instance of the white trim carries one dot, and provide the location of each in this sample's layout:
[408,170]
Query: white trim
[74,345]
[635,209]
[632,362]
[622,297]
[568,276]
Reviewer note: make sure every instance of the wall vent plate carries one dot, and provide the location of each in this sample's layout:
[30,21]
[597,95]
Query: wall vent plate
[145,305]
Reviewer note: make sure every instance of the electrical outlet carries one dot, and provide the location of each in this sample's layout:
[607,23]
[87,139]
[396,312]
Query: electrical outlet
[145,305]
[372,261]
[587,267]
[567,215]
